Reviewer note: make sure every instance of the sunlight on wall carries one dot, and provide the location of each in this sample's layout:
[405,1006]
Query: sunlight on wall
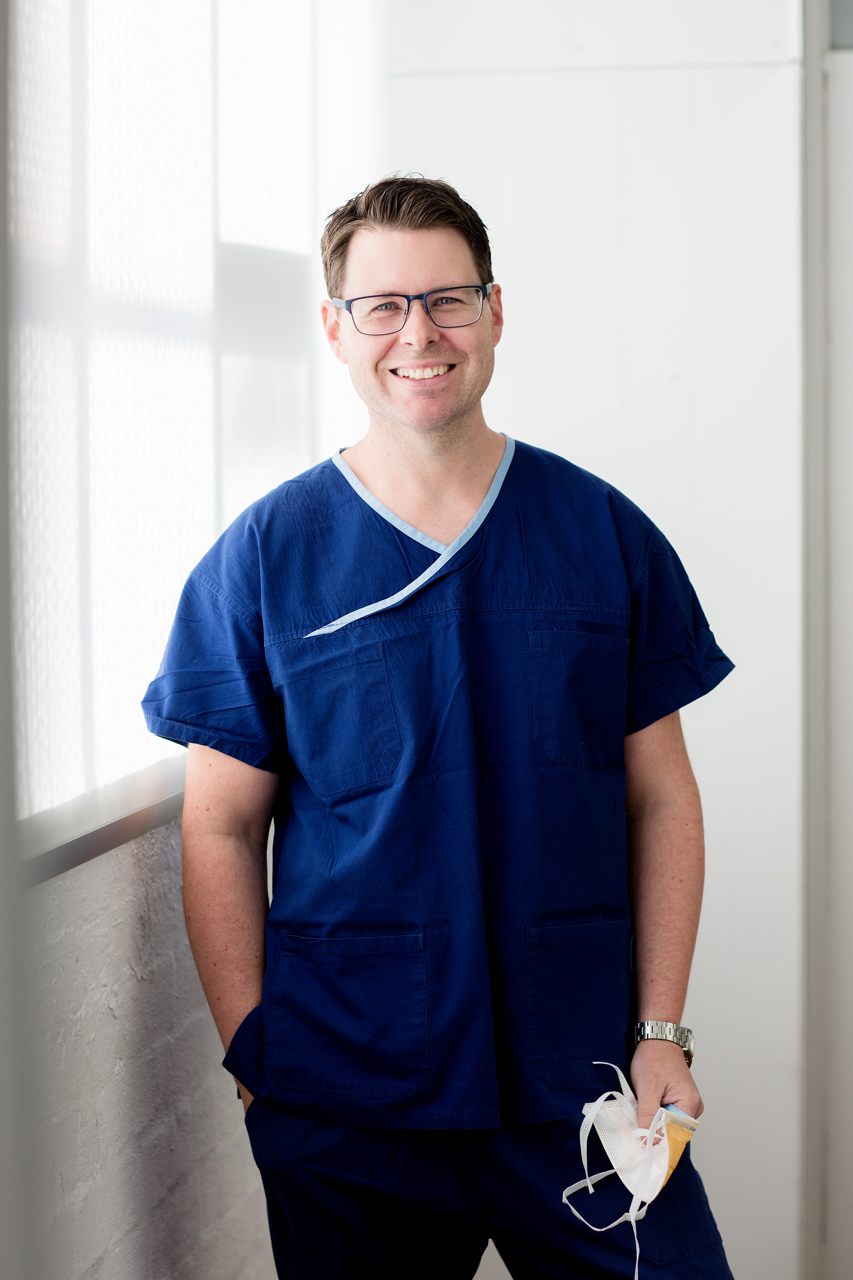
[149,152]
[46,566]
[162,395]
[159,383]
[265,112]
[40,129]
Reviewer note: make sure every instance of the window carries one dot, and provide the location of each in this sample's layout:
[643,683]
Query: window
[162,228]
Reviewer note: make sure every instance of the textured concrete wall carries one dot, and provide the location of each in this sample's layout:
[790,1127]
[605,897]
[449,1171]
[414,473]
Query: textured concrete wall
[143,1166]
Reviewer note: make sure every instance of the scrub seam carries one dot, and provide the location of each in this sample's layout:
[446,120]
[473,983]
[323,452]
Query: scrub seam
[695,689]
[341,465]
[466,606]
[241,748]
[233,605]
[447,555]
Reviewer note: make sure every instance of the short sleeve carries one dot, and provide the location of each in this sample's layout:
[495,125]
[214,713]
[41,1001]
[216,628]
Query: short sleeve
[673,656]
[213,686]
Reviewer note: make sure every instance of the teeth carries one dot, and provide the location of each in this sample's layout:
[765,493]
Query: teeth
[422,373]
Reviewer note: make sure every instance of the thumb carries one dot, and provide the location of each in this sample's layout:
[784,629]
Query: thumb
[648,1101]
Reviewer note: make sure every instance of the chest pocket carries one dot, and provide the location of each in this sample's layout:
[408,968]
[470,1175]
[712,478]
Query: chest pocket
[341,728]
[579,684]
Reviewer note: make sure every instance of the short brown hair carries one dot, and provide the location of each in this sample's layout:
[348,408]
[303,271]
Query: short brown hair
[407,201]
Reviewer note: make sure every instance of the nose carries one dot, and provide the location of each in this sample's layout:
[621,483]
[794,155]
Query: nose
[419,329]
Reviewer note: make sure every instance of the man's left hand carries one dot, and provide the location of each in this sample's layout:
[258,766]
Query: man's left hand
[660,1076]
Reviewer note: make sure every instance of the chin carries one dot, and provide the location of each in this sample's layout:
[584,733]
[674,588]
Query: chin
[438,422]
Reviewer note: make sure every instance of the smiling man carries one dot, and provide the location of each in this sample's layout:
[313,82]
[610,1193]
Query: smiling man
[449,667]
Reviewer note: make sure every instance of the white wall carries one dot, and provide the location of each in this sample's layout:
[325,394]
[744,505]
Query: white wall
[144,1170]
[350,58]
[837,1111]
[638,166]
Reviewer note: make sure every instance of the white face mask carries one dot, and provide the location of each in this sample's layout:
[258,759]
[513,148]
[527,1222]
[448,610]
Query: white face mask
[644,1165]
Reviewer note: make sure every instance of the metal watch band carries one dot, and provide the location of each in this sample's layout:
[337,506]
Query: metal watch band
[682,1036]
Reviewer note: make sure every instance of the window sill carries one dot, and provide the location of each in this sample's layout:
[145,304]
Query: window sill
[60,839]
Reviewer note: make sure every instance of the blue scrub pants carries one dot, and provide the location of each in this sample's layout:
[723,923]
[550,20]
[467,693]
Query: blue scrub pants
[384,1204]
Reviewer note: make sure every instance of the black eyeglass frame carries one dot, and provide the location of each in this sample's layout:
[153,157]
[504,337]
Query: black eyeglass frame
[483,289]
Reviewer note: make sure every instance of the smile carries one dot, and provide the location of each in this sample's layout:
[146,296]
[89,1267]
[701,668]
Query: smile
[435,372]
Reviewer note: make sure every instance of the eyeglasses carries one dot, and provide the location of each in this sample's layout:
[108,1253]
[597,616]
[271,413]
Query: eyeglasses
[387,312]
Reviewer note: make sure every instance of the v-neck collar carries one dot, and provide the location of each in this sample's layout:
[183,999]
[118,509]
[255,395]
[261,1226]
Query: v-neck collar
[379,507]
[446,552]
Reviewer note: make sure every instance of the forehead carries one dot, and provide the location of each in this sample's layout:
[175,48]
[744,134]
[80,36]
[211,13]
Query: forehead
[396,261]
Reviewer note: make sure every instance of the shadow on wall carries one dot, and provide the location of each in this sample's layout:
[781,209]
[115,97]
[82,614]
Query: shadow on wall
[143,1167]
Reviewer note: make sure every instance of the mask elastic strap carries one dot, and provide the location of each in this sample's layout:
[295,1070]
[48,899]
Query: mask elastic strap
[589,1117]
[626,1088]
[633,1215]
[635,1211]
[586,1129]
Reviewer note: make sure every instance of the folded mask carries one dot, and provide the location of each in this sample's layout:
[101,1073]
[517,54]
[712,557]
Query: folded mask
[643,1158]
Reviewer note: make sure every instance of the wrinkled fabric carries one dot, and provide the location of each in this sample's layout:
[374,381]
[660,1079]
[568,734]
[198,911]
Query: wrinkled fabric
[365,1203]
[449,941]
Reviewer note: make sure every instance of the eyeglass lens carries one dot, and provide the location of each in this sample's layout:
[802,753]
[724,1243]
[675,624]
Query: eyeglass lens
[448,308]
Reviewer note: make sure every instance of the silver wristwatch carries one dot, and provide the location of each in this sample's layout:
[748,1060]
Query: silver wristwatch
[681,1036]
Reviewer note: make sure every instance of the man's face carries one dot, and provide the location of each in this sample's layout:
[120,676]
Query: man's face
[397,261]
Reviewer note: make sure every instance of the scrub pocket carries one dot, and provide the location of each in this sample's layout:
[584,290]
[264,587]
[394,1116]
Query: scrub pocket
[579,998]
[245,1056]
[579,684]
[349,1016]
[341,729]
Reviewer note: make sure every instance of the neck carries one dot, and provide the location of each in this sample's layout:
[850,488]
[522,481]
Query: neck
[435,481]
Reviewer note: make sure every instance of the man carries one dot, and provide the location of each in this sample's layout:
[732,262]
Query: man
[449,666]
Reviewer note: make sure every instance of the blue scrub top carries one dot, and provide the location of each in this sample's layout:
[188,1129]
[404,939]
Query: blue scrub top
[449,940]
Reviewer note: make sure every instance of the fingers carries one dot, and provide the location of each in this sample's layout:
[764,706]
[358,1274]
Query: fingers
[660,1077]
[691,1103]
[649,1105]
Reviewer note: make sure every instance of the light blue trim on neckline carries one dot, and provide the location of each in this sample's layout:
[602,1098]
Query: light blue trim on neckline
[447,554]
[385,512]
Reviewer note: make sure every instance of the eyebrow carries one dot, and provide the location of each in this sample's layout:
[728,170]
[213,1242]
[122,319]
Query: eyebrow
[404,293]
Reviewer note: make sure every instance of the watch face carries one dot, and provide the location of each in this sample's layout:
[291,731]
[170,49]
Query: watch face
[688,1046]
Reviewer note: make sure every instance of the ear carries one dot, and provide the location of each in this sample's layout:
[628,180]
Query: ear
[496,304]
[332,325]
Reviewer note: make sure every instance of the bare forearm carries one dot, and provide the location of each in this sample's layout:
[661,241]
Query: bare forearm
[225,905]
[228,806]
[666,850]
[666,854]
[667,862]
